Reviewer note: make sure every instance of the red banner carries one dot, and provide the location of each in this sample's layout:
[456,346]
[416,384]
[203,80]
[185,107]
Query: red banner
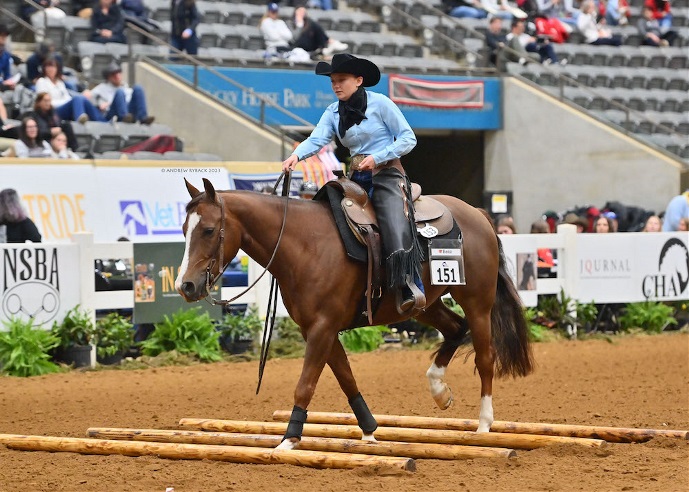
[432,94]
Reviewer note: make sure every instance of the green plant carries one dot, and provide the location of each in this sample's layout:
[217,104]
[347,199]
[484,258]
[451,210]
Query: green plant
[288,341]
[450,302]
[242,327]
[24,349]
[363,339]
[650,316]
[554,312]
[76,328]
[114,334]
[187,332]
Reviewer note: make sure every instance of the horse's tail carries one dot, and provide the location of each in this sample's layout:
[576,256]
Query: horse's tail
[509,327]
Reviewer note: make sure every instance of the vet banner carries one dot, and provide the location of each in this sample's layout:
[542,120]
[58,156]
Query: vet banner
[38,282]
[633,267]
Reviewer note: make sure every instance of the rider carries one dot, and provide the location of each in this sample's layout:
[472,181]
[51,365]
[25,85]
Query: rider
[376,133]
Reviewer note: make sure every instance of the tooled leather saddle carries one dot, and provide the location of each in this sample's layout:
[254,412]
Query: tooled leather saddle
[358,226]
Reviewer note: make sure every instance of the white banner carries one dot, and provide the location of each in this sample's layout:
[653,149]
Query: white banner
[38,281]
[144,204]
[633,267]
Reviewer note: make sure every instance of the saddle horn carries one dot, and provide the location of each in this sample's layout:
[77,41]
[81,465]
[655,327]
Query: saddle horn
[193,192]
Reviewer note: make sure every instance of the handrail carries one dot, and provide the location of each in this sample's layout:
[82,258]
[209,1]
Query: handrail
[198,63]
[16,18]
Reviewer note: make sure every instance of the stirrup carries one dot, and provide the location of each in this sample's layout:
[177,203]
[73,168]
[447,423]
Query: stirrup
[405,303]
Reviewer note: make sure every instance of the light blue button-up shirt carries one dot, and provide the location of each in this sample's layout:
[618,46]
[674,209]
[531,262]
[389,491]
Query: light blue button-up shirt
[384,134]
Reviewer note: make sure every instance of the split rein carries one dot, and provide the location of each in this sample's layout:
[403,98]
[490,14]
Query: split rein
[272,296]
[210,280]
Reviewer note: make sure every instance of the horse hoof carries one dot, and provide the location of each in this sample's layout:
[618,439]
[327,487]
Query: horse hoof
[288,444]
[483,428]
[369,437]
[444,399]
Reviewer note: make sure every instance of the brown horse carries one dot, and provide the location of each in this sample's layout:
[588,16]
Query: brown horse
[322,288]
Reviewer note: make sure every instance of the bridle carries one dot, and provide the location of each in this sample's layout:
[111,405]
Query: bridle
[210,280]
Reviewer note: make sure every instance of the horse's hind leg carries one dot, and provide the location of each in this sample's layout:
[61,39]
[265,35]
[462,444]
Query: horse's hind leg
[478,316]
[339,364]
[454,329]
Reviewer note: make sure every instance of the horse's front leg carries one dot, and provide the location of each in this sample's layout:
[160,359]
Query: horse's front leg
[339,364]
[319,342]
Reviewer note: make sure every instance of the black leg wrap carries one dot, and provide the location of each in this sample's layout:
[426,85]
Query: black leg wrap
[363,415]
[295,427]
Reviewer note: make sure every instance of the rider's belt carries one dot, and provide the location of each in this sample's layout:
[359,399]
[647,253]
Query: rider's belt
[356,161]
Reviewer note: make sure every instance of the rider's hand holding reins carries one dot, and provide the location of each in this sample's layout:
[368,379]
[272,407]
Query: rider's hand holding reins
[290,163]
[367,164]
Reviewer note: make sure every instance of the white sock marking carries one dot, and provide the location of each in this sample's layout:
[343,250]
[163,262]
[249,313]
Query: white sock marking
[368,437]
[194,220]
[435,377]
[287,445]
[485,418]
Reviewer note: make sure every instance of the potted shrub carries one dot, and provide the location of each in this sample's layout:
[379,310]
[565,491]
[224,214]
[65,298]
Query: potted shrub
[24,350]
[238,331]
[75,333]
[187,332]
[114,336]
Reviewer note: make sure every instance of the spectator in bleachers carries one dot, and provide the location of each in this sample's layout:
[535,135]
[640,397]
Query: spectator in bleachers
[28,144]
[135,11]
[276,34]
[603,225]
[677,209]
[521,44]
[653,34]
[37,17]
[185,18]
[661,12]
[7,129]
[613,220]
[6,80]
[68,107]
[546,258]
[49,123]
[683,224]
[107,23]
[82,8]
[556,19]
[116,99]
[44,50]
[594,33]
[310,36]
[60,148]
[321,4]
[616,12]
[479,9]
[495,39]
[653,224]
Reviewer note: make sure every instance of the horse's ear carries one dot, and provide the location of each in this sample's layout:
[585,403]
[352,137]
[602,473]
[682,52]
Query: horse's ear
[210,191]
[191,189]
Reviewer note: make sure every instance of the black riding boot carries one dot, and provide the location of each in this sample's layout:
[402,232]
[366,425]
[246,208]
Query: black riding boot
[401,249]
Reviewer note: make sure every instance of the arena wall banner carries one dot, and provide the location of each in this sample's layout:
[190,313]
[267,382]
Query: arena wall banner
[306,95]
[633,267]
[156,266]
[39,282]
[144,204]
[522,260]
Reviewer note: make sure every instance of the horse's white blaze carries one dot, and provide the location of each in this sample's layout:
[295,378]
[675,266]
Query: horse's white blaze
[369,437]
[194,220]
[485,417]
[435,377]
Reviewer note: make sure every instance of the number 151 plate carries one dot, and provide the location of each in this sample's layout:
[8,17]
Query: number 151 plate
[446,262]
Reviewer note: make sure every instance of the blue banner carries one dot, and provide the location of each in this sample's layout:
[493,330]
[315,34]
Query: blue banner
[306,95]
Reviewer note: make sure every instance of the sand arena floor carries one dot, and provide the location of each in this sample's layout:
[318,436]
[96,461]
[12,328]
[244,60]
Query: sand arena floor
[640,381]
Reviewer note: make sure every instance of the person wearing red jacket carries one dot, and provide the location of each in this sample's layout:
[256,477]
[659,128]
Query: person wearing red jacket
[661,12]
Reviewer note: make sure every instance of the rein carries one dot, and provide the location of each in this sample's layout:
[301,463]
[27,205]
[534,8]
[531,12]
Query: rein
[272,296]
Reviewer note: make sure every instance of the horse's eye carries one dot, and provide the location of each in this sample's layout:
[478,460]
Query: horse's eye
[208,231]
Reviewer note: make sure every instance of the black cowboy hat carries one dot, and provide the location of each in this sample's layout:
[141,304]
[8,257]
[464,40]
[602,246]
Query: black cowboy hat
[112,68]
[346,63]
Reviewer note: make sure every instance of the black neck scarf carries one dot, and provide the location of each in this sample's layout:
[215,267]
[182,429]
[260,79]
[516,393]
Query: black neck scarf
[352,111]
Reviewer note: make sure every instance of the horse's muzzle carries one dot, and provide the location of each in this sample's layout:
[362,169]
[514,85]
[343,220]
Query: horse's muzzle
[190,291]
